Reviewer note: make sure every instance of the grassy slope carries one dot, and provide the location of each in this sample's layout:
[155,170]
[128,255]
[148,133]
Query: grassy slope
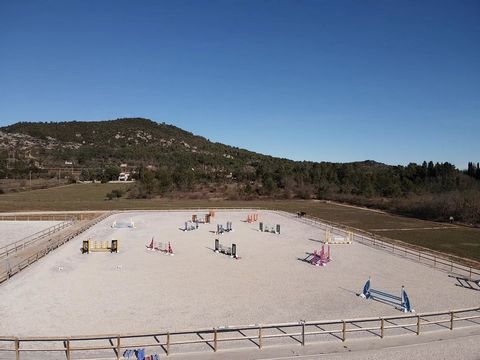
[459,241]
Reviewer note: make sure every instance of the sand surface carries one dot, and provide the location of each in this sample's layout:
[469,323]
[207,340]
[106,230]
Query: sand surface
[16,230]
[136,290]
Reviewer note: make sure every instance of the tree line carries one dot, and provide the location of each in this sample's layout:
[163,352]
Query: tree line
[473,170]
[168,161]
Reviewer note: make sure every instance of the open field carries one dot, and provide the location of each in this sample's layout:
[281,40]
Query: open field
[464,242]
[15,185]
[69,197]
[457,240]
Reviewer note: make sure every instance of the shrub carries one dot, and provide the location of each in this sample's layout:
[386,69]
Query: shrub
[115,194]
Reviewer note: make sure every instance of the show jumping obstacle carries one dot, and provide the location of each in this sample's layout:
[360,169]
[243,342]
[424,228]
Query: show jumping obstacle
[120,225]
[329,239]
[201,220]
[274,229]
[227,250]
[227,228]
[189,226]
[159,246]
[89,246]
[322,258]
[319,258]
[252,218]
[401,302]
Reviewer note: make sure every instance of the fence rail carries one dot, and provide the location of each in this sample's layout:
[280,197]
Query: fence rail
[302,332]
[37,217]
[52,245]
[442,262]
[12,248]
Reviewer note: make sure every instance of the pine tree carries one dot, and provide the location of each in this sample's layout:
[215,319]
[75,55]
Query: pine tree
[471,169]
[431,169]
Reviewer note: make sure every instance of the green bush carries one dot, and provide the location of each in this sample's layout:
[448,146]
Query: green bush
[115,194]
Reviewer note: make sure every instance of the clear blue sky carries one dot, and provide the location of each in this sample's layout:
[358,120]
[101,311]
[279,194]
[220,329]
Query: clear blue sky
[392,81]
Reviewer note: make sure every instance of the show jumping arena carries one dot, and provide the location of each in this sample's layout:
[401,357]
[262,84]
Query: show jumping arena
[142,291]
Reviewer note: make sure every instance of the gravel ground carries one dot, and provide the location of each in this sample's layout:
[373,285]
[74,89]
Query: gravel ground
[137,290]
[16,230]
[458,345]
[467,348]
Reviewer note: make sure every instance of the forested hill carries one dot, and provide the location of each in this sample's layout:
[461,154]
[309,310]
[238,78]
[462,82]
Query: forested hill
[169,160]
[136,141]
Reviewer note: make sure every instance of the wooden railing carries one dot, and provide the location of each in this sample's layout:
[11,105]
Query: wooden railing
[438,261]
[12,248]
[234,337]
[52,245]
[37,217]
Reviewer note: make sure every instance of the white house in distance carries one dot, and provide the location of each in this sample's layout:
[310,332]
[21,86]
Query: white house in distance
[124,176]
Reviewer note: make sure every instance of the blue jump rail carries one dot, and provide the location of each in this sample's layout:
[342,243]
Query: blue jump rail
[402,301]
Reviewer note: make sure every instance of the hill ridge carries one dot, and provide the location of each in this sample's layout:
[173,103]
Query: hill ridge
[167,159]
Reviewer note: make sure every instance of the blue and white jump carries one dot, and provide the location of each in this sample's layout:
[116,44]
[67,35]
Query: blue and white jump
[120,224]
[221,229]
[402,302]
[189,226]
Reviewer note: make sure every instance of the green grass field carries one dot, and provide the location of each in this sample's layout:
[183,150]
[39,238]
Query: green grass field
[455,240]
[464,242]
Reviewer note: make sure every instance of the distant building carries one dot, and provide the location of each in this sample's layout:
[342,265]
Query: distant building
[124,176]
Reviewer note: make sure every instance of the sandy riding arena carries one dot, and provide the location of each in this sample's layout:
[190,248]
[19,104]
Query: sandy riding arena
[140,290]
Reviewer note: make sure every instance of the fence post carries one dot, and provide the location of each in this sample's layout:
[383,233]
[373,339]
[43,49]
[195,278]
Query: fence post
[451,265]
[67,342]
[434,261]
[418,324]
[382,327]
[303,332]
[470,273]
[344,332]
[118,347]
[214,340]
[168,343]
[451,320]
[260,337]
[17,349]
